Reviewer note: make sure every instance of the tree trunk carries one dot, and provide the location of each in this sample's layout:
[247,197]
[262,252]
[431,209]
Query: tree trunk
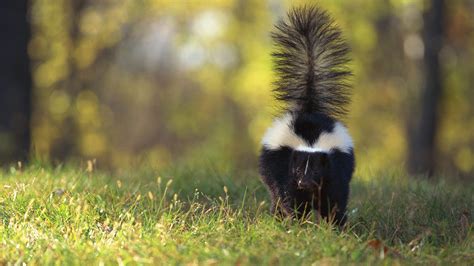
[15,81]
[422,150]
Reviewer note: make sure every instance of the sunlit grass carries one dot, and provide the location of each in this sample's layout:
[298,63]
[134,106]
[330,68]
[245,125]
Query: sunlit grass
[67,215]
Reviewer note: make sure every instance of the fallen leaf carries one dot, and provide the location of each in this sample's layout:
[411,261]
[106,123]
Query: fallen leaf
[377,245]
[380,247]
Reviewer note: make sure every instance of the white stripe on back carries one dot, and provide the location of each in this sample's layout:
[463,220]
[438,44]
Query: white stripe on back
[280,134]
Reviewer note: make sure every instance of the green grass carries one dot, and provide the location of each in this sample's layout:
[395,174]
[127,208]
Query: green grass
[68,216]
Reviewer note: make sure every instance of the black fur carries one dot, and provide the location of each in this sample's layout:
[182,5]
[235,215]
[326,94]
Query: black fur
[310,60]
[296,189]
[310,63]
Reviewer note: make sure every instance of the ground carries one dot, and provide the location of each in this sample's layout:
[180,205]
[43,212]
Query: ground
[77,215]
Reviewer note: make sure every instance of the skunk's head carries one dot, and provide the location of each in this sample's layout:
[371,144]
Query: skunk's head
[309,169]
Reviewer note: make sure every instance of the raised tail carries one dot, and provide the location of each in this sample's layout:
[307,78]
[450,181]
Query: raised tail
[311,63]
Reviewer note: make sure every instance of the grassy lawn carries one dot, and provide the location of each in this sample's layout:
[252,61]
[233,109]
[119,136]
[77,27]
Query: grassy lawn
[69,215]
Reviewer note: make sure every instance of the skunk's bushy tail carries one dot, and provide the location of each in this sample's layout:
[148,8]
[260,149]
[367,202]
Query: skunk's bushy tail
[311,63]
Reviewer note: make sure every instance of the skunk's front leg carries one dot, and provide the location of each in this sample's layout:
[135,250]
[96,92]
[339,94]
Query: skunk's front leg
[281,203]
[342,168]
[274,172]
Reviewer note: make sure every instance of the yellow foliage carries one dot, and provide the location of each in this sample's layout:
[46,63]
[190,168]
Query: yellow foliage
[165,81]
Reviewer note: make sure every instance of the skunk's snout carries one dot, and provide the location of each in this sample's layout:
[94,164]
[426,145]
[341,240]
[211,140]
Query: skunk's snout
[306,184]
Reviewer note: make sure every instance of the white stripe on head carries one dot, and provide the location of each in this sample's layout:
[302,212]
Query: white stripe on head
[306,168]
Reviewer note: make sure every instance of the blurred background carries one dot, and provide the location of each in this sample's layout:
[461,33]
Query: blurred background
[167,82]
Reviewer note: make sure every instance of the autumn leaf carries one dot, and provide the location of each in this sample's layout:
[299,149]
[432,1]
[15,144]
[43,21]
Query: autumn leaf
[383,250]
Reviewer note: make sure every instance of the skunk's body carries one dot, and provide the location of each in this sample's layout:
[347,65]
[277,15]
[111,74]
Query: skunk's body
[307,158]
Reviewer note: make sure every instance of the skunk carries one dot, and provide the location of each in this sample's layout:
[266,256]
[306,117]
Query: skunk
[307,155]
